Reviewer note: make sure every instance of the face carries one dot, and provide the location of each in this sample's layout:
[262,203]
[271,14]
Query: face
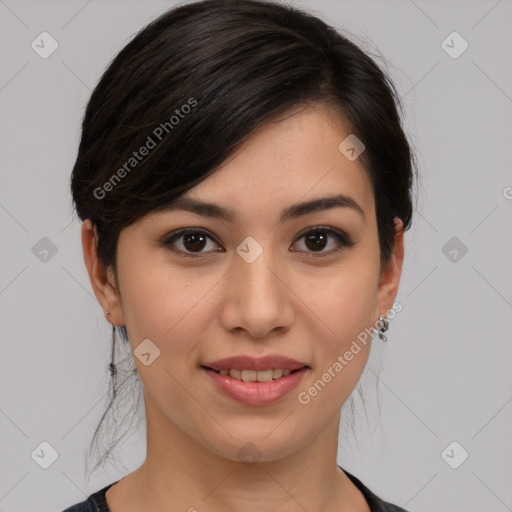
[303,287]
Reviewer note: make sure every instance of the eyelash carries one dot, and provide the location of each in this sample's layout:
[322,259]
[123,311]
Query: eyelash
[342,238]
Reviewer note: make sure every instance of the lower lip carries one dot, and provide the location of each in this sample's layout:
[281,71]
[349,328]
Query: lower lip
[256,393]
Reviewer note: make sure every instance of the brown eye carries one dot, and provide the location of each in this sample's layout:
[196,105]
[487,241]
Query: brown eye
[317,240]
[192,242]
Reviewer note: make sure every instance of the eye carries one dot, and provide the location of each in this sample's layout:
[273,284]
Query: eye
[316,240]
[193,241]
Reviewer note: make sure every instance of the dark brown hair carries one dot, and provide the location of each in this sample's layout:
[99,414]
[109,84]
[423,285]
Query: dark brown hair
[193,84]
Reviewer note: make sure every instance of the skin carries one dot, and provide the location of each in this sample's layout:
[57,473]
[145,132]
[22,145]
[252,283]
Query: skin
[293,303]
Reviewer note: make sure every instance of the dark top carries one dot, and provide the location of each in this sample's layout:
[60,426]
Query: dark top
[96,502]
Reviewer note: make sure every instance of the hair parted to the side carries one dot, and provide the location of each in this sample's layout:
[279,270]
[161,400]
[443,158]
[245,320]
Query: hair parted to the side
[197,81]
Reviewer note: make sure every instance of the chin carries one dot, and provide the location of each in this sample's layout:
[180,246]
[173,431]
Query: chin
[253,445]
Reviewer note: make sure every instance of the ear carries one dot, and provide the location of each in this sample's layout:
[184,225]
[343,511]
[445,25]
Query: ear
[102,279]
[390,273]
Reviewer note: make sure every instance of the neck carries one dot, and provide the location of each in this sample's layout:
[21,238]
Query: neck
[180,471]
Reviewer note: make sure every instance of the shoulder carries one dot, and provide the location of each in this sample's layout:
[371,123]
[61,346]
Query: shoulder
[376,504]
[83,506]
[96,502]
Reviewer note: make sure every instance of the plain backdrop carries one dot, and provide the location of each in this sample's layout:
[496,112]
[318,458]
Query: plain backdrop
[444,388]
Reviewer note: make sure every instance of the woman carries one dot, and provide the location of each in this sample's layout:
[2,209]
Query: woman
[244,184]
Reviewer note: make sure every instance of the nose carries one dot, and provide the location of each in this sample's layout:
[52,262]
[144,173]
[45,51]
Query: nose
[257,298]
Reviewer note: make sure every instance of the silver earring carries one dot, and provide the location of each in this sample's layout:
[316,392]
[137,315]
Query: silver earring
[383,326]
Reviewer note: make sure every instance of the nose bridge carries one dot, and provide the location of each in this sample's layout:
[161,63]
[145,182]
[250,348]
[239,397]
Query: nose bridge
[253,268]
[256,299]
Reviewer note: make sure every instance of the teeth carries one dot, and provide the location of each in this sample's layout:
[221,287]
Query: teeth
[276,373]
[237,374]
[256,376]
[251,375]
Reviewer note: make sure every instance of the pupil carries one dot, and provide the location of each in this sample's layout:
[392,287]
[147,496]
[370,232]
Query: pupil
[316,236]
[315,241]
[195,237]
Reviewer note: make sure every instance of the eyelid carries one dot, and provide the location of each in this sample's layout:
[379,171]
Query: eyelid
[325,228]
[170,238]
[343,238]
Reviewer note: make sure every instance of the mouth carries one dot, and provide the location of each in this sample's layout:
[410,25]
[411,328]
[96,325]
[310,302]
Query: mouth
[255,387]
[259,376]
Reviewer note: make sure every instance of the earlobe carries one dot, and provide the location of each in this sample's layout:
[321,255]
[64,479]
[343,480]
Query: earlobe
[390,274]
[102,279]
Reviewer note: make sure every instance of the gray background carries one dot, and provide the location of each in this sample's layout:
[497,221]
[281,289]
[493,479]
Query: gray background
[444,375]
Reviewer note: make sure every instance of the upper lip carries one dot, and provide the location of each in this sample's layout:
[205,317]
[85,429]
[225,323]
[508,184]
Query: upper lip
[255,363]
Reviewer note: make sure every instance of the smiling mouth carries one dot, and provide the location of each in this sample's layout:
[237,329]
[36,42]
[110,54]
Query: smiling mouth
[256,375]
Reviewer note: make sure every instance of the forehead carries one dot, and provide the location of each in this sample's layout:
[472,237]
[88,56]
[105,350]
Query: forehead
[294,158]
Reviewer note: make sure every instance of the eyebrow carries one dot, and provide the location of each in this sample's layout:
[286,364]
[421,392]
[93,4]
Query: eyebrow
[291,212]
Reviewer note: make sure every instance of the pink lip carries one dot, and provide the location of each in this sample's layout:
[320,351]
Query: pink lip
[255,363]
[256,393]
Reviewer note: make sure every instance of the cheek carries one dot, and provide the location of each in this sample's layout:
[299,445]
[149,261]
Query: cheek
[356,300]
[343,300]
[343,303]
[344,310]
[160,305]
[169,306]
